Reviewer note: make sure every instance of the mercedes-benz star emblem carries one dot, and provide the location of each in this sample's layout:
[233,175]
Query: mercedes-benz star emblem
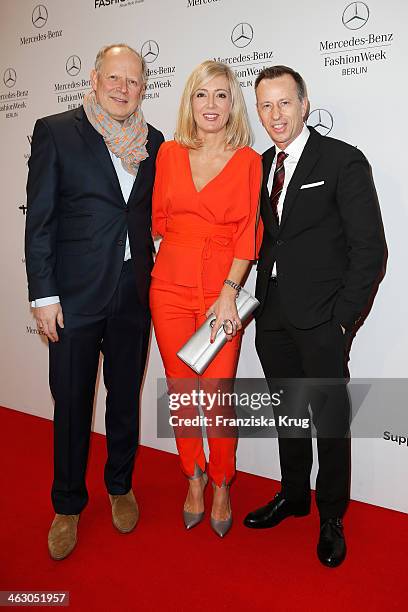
[242,35]
[73,65]
[321,120]
[9,77]
[355,15]
[39,16]
[150,51]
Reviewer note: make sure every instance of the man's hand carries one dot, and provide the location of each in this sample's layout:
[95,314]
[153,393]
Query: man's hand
[47,317]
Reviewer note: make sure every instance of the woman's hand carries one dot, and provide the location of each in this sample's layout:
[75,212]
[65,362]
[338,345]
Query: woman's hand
[225,310]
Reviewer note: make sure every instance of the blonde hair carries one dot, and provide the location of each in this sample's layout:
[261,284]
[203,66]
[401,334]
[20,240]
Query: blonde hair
[238,131]
[103,51]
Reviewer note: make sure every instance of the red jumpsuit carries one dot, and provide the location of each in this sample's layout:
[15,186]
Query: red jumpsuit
[202,233]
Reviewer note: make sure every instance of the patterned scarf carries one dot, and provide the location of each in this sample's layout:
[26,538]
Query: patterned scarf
[126,140]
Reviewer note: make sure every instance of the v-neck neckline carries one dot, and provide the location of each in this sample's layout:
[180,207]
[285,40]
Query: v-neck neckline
[214,178]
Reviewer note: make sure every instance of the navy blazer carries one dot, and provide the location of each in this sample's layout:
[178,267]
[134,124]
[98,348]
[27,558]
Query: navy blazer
[77,218]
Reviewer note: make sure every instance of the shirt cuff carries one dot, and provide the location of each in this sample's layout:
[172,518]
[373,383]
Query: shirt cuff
[47,301]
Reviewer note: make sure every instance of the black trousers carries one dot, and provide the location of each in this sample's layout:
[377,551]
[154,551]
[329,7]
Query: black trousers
[121,332]
[289,353]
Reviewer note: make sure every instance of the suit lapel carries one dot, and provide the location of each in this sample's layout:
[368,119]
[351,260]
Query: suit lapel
[99,149]
[307,160]
[140,179]
[268,217]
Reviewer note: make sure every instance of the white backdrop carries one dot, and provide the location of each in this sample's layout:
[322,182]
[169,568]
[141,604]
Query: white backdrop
[353,58]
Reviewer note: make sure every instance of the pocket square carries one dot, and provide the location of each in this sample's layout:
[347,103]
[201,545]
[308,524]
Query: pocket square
[308,185]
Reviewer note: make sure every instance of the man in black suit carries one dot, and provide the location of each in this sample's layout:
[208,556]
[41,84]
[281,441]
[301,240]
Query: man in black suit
[89,258]
[320,262]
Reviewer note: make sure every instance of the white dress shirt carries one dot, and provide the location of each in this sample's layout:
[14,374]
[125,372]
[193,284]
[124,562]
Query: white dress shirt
[126,181]
[293,151]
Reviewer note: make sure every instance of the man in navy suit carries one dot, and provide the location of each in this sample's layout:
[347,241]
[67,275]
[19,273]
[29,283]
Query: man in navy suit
[320,262]
[89,258]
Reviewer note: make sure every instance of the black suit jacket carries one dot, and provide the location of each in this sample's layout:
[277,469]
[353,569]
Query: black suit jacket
[77,218]
[330,246]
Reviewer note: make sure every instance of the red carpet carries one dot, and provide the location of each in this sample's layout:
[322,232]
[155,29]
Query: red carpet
[161,566]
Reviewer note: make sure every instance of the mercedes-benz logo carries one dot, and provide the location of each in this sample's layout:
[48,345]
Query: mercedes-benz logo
[73,65]
[242,35]
[355,15]
[150,51]
[39,16]
[9,77]
[321,120]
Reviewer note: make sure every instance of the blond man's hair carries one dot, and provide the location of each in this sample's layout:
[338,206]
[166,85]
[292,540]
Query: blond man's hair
[103,51]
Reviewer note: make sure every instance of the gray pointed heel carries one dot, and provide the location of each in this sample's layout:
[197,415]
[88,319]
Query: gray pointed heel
[221,527]
[191,519]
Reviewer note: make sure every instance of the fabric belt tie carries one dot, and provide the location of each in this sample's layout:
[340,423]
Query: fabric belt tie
[200,236]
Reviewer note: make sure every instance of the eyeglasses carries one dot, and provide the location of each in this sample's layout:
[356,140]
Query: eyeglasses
[115,79]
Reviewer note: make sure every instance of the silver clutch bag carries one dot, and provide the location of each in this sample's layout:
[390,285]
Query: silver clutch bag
[197,352]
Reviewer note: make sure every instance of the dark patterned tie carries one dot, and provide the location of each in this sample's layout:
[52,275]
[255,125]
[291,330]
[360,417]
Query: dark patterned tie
[278,180]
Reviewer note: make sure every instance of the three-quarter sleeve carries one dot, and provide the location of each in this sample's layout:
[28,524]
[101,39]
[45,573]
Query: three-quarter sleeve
[248,235]
[159,204]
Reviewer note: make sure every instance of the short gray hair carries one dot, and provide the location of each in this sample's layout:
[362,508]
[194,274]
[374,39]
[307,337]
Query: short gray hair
[103,51]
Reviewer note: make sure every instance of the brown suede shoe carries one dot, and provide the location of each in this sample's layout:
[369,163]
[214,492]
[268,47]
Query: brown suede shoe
[125,512]
[62,536]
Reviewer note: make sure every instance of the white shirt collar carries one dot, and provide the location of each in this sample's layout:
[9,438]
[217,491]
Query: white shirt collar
[295,149]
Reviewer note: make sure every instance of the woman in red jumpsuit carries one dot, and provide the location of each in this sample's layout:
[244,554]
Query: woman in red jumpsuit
[205,206]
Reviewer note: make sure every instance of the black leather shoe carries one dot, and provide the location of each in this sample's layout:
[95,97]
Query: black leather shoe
[274,512]
[331,548]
